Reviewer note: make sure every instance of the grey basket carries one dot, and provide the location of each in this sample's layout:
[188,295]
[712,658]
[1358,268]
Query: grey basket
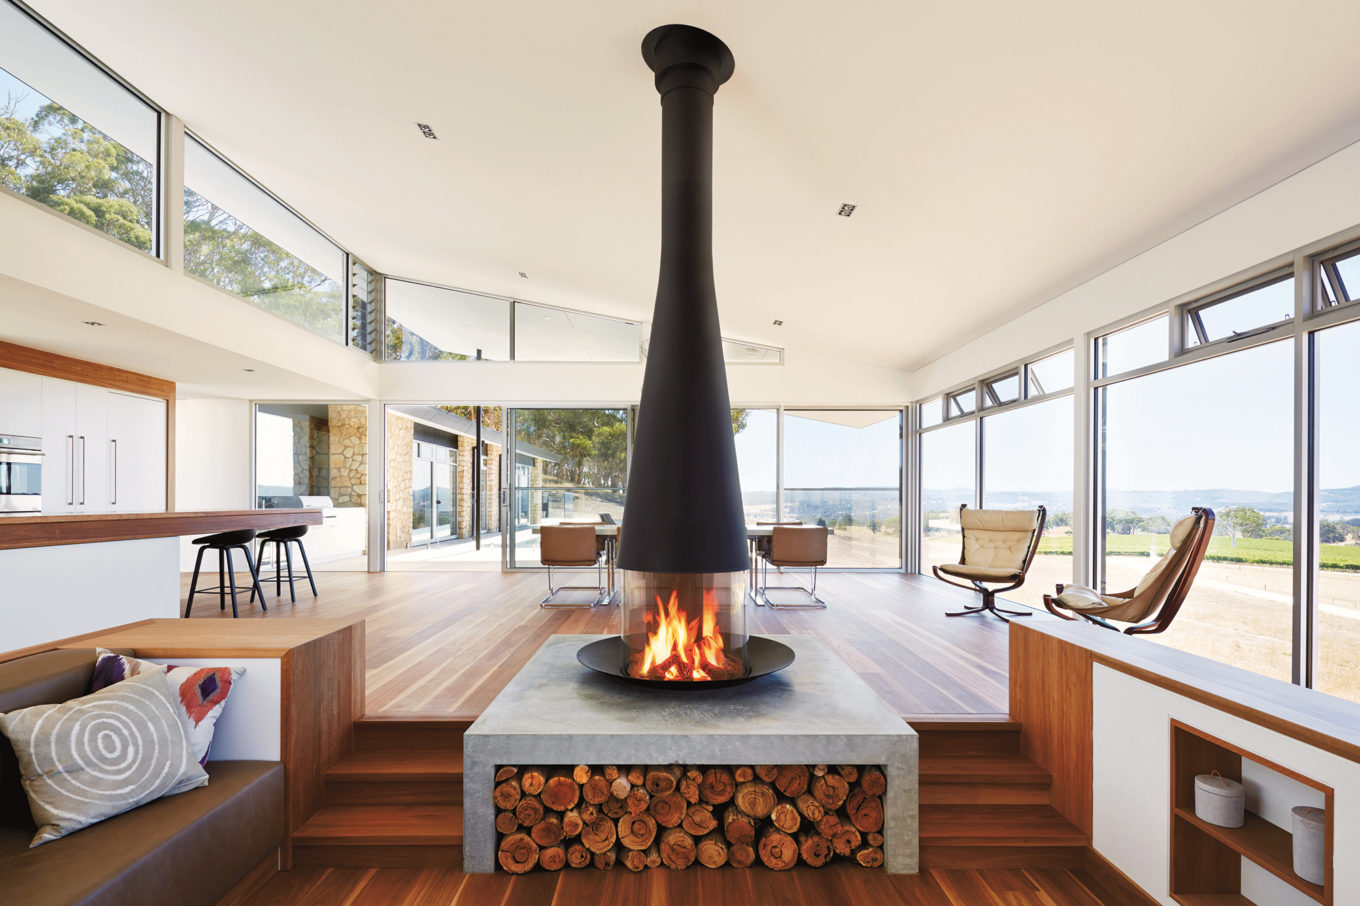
[1219,800]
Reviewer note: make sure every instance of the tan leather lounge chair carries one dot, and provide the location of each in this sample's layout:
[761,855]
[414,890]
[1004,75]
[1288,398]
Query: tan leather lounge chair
[1162,591]
[998,547]
[567,546]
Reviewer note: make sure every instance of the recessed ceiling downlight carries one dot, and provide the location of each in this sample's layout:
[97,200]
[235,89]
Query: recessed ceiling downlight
[93,323]
[426,131]
[846,210]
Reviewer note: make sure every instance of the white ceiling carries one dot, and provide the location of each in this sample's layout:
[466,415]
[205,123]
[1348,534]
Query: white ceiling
[999,153]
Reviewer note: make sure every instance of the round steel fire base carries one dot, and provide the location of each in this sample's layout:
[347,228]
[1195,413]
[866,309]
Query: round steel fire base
[763,656]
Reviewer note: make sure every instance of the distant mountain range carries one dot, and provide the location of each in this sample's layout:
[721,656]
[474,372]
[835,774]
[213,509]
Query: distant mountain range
[1335,502]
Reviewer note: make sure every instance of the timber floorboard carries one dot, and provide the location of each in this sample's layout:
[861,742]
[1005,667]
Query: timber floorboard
[834,885]
[443,644]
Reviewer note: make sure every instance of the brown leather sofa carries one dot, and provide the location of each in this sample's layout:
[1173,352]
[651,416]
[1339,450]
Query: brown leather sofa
[185,850]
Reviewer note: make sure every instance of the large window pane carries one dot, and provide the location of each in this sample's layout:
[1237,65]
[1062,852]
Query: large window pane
[430,323]
[1026,463]
[1338,504]
[843,469]
[1215,433]
[1133,347]
[237,237]
[756,437]
[71,137]
[570,464]
[948,474]
[316,455]
[555,335]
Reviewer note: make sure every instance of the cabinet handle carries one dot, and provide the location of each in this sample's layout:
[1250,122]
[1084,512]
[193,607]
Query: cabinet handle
[70,469]
[113,471]
[82,470]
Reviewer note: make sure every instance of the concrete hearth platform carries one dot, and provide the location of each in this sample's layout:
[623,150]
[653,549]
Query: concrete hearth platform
[817,711]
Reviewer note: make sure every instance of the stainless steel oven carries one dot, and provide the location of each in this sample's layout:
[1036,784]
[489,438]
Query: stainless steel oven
[20,474]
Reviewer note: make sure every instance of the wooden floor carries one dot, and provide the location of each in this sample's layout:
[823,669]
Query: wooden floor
[445,643]
[834,885]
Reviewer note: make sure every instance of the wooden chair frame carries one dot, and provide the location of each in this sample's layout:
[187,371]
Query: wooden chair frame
[1180,588]
[988,604]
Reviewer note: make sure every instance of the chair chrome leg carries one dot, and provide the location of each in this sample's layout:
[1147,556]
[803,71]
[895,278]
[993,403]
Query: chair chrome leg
[815,603]
[602,595]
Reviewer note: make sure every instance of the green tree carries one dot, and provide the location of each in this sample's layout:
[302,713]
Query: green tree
[1242,520]
[592,444]
[740,417]
[1331,532]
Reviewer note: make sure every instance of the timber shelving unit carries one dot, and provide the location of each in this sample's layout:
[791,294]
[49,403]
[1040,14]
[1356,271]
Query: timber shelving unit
[1206,860]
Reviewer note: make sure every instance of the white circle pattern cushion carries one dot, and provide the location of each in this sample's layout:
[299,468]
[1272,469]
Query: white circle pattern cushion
[97,756]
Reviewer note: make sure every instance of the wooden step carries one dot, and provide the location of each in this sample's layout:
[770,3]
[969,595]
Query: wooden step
[1006,779]
[415,776]
[381,836]
[386,734]
[958,738]
[999,836]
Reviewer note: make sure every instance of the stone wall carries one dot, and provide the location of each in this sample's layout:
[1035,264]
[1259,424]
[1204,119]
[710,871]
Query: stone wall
[467,462]
[400,437]
[348,455]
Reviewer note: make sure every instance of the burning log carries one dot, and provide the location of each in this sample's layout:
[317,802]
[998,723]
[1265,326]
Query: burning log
[668,809]
[506,822]
[506,772]
[547,832]
[517,854]
[712,850]
[814,848]
[606,859]
[634,860]
[873,782]
[662,779]
[777,850]
[578,856]
[552,858]
[506,795]
[637,831]
[865,811]
[785,817]
[638,800]
[791,779]
[561,792]
[677,848]
[738,826]
[599,835]
[717,786]
[741,855]
[830,790]
[529,811]
[595,790]
[846,840]
[581,773]
[572,823]
[869,856]
[755,799]
[809,807]
[532,780]
[699,820]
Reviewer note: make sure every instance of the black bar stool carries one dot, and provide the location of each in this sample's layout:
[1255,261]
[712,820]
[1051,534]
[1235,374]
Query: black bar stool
[223,543]
[281,539]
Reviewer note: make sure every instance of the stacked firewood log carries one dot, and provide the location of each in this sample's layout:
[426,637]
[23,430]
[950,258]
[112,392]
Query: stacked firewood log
[646,817]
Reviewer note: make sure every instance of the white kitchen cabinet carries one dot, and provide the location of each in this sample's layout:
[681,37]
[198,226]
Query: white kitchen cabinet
[136,453]
[20,403]
[92,441]
[59,446]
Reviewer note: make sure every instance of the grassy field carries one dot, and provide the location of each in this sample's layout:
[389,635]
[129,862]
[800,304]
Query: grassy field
[1269,551]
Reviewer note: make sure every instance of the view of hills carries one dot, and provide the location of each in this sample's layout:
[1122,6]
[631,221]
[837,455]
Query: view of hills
[1336,503]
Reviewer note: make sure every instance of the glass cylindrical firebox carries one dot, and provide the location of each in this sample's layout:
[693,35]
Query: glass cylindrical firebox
[686,627]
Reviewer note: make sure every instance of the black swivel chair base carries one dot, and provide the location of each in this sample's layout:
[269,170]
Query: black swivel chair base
[988,605]
[224,543]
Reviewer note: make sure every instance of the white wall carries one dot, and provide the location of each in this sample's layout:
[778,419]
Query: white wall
[1312,204]
[1132,776]
[251,725]
[212,461]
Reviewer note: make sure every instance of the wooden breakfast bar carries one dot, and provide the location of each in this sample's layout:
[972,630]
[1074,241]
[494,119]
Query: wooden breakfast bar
[74,574]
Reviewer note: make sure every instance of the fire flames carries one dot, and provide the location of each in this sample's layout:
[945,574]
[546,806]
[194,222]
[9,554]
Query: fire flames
[680,649]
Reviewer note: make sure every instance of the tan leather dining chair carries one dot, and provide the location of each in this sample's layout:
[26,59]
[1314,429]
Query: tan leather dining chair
[1161,591]
[571,546]
[794,547]
[998,548]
